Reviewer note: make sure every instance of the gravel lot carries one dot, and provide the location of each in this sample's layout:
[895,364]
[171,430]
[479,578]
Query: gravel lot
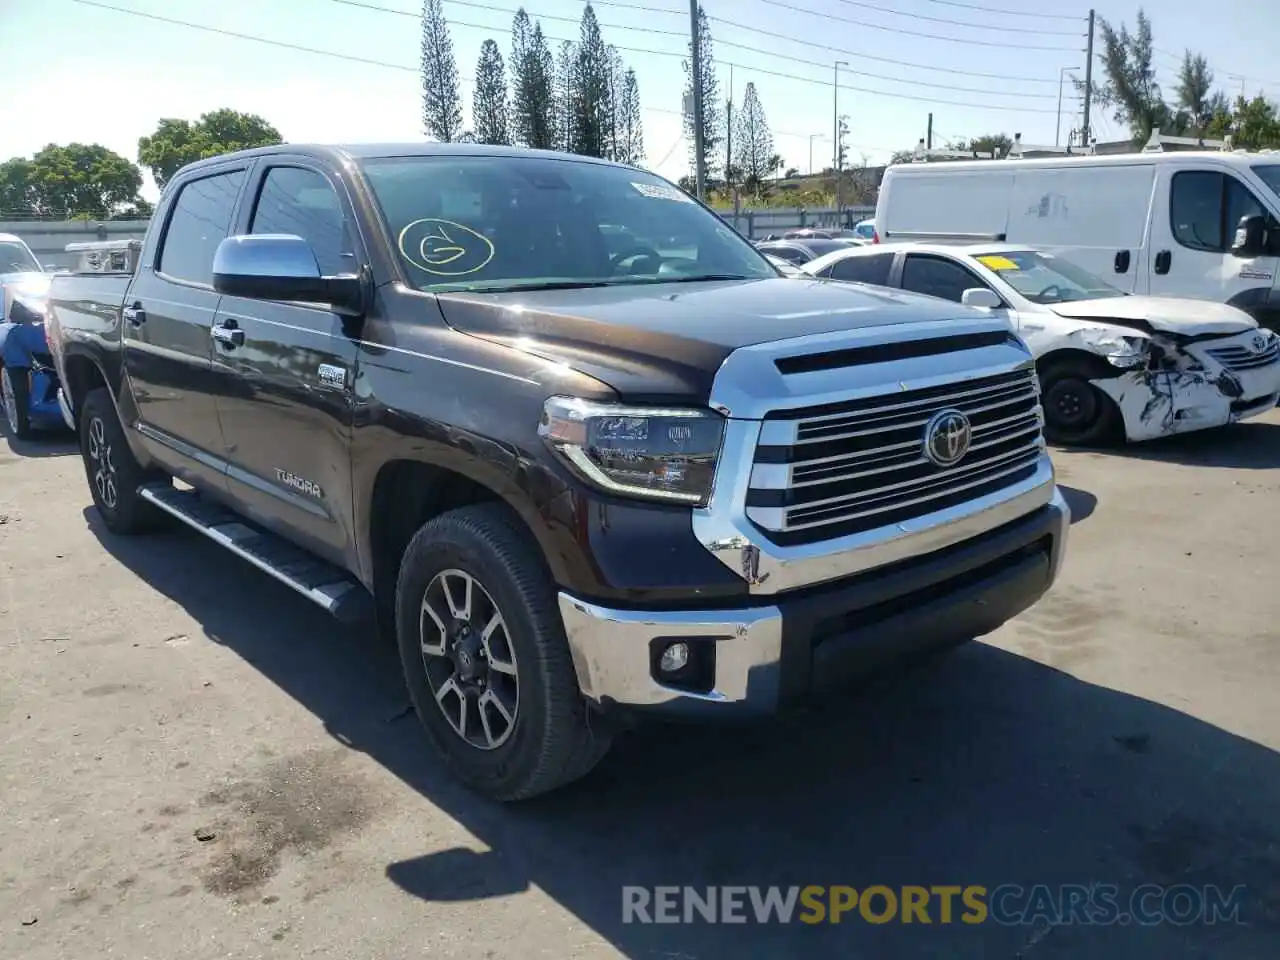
[157,691]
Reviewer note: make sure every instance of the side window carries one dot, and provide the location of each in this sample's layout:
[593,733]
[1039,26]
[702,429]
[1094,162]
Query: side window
[937,277]
[200,221]
[303,203]
[1240,203]
[791,254]
[1195,208]
[869,269]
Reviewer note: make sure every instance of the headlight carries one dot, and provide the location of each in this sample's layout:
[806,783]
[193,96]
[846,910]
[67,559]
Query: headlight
[1124,351]
[656,453]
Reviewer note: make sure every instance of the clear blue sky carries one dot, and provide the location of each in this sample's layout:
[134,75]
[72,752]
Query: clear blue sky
[74,72]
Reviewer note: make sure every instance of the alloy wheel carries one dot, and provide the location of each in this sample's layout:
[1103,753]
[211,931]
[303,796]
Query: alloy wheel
[103,466]
[10,401]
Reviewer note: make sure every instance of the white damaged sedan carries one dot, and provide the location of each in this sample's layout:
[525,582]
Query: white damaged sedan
[1111,364]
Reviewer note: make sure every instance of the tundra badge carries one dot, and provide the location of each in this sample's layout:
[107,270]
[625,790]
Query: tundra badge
[309,487]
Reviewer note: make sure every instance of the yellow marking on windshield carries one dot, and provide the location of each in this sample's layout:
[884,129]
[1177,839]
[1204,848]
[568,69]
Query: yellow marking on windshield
[994,262]
[443,243]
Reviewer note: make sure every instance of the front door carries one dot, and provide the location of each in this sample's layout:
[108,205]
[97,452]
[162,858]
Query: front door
[1192,234]
[289,373]
[167,316]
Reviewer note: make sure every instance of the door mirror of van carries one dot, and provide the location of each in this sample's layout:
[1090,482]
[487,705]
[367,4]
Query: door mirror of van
[281,267]
[1250,238]
[981,297]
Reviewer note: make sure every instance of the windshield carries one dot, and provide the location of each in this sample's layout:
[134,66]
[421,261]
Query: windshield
[512,222]
[16,258]
[1043,278]
[1270,174]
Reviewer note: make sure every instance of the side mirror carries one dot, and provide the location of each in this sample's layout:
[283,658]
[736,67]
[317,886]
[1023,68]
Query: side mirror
[1250,238]
[982,298]
[281,266]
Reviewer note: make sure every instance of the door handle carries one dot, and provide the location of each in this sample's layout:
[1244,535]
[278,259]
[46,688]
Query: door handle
[1163,260]
[1122,261]
[228,334]
[134,315]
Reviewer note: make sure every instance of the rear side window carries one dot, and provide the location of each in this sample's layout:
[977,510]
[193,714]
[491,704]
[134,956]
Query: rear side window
[869,269]
[303,203]
[937,277]
[200,220]
[791,254]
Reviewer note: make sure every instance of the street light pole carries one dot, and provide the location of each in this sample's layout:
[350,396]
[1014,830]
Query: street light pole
[700,160]
[1057,130]
[835,131]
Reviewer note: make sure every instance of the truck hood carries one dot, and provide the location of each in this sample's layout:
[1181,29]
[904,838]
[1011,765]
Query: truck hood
[665,341]
[1178,315]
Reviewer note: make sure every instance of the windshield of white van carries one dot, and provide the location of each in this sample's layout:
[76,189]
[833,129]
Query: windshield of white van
[1270,174]
[494,223]
[1043,278]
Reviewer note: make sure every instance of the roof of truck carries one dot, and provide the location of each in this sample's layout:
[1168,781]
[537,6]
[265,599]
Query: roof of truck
[1232,158]
[366,151]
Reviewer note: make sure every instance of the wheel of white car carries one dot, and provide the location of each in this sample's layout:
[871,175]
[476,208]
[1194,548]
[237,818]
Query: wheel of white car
[1076,413]
[485,658]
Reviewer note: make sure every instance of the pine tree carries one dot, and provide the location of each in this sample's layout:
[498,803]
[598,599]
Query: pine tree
[441,98]
[612,106]
[533,106]
[712,119]
[489,103]
[753,149]
[591,80]
[630,128]
[566,95]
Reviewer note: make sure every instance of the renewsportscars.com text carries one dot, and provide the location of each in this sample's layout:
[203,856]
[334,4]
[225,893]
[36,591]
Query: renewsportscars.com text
[1096,904]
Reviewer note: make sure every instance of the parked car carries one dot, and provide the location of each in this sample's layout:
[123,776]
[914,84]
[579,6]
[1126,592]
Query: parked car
[1110,363]
[801,251]
[28,381]
[1184,224]
[820,233]
[575,485]
[866,230]
[785,267]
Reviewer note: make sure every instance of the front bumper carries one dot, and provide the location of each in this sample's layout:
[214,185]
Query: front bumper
[801,643]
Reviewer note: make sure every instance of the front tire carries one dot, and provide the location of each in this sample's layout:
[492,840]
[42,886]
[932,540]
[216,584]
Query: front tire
[113,472]
[1076,413]
[485,657]
[15,388]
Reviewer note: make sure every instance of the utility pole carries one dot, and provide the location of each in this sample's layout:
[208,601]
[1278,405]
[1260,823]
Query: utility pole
[835,125]
[700,162]
[1085,137]
[728,138]
[928,139]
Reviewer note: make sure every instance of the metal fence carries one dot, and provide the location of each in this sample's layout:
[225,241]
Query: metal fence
[48,239]
[757,224]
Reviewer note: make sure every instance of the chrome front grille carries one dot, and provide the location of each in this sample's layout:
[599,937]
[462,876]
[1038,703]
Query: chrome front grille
[859,465]
[1241,357]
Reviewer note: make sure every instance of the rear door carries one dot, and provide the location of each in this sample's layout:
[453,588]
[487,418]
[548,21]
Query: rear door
[289,377]
[168,311]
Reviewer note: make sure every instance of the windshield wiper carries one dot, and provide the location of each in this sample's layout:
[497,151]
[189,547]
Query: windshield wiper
[547,285]
[701,277]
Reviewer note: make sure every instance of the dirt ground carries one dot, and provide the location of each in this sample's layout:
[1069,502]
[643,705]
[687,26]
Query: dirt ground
[197,763]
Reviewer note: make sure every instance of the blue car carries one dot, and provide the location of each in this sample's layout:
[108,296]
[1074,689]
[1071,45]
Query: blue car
[28,380]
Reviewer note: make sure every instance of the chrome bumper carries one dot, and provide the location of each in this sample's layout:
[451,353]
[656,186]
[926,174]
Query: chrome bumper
[613,650]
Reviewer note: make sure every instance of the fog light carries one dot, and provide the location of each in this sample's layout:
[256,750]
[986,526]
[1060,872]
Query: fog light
[674,657]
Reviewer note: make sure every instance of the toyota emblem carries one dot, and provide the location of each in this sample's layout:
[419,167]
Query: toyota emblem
[1259,343]
[947,437]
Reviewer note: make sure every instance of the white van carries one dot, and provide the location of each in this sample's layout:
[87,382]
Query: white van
[1194,224]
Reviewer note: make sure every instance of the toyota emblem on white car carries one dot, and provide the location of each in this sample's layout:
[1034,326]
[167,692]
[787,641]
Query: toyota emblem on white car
[947,437]
[1259,342]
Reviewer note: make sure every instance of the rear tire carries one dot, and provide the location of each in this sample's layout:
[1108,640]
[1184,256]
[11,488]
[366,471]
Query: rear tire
[507,657]
[113,472]
[15,387]
[1076,413]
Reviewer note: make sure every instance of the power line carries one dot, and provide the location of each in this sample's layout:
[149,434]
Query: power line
[908,33]
[1005,12]
[959,23]
[658,53]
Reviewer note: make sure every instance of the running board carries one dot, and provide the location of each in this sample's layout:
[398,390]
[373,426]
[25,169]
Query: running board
[322,583]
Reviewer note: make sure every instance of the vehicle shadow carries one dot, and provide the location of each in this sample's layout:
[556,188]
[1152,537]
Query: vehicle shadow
[54,443]
[979,767]
[1081,502]
[1251,445]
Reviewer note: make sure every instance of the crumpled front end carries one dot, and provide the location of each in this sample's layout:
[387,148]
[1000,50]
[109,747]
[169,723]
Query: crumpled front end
[1189,384]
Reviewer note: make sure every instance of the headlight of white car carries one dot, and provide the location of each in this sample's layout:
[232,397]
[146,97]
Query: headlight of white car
[1124,351]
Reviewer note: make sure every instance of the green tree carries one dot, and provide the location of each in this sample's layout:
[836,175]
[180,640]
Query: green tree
[591,89]
[996,144]
[1129,86]
[533,102]
[441,96]
[611,109]
[630,126]
[712,119]
[489,102]
[1253,124]
[753,142]
[566,90]
[176,143]
[1197,102]
[75,181]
